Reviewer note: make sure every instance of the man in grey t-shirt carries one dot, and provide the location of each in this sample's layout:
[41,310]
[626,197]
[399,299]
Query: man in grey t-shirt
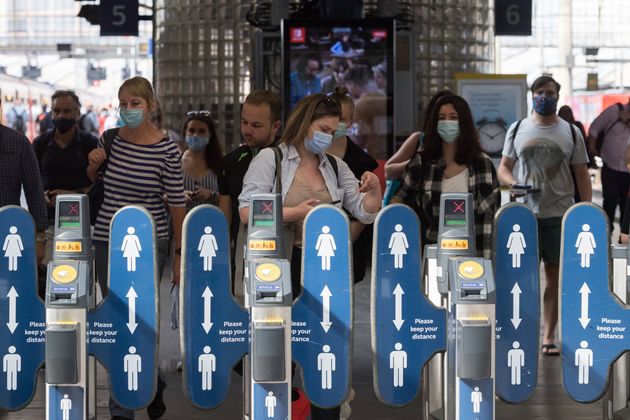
[546,151]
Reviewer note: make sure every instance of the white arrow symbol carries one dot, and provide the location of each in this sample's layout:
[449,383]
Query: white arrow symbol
[584,291]
[326,294]
[131,297]
[516,305]
[207,313]
[398,321]
[12,295]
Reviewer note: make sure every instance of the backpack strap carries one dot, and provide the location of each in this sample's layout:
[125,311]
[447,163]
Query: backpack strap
[333,163]
[108,138]
[278,153]
[513,136]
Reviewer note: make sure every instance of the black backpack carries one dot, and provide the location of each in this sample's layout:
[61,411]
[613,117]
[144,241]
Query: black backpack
[599,141]
[19,124]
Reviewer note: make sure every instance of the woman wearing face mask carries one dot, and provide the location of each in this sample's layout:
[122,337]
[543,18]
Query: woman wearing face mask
[452,161]
[142,165]
[201,162]
[359,162]
[309,179]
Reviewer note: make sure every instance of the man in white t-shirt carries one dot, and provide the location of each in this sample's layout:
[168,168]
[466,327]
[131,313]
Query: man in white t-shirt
[547,151]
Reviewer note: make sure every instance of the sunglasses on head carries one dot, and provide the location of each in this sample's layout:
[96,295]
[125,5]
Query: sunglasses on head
[202,113]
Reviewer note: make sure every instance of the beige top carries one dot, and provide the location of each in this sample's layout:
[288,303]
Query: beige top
[458,183]
[297,193]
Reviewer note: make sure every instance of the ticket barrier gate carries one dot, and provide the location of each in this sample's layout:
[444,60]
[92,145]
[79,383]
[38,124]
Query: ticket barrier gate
[595,318]
[69,296]
[64,333]
[268,296]
[216,331]
[400,294]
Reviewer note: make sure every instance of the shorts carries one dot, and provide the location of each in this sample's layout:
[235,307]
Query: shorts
[549,234]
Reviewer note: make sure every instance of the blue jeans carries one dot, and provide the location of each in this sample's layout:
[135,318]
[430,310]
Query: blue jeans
[101,264]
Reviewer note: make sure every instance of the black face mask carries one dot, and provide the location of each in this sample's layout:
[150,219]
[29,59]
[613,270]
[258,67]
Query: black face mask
[64,124]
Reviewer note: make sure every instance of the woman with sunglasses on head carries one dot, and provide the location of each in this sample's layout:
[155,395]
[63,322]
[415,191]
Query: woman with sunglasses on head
[142,165]
[202,161]
[309,179]
[451,160]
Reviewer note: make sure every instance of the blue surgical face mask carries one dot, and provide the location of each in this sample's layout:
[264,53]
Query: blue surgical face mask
[319,143]
[544,105]
[341,131]
[132,118]
[448,130]
[197,143]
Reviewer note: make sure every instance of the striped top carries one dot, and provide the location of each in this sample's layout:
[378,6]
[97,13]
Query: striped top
[209,181]
[140,175]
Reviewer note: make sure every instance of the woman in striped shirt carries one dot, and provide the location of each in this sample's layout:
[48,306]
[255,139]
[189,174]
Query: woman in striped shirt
[142,167]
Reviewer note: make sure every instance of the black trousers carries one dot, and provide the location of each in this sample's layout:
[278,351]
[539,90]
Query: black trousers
[296,282]
[615,186]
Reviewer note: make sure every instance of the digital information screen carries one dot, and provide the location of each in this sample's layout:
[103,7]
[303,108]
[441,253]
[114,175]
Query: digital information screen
[355,54]
[69,214]
[263,215]
[455,213]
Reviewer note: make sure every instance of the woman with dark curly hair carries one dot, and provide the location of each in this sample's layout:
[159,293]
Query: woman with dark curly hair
[451,160]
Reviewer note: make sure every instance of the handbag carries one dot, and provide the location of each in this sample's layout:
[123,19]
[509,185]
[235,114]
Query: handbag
[96,195]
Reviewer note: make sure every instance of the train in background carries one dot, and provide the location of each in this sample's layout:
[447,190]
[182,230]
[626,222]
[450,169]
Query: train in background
[33,95]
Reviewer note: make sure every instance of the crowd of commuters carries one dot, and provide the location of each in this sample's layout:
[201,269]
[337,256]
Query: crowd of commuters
[320,162]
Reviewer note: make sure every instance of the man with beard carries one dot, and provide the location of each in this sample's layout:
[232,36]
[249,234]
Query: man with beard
[305,80]
[548,149]
[260,123]
[62,154]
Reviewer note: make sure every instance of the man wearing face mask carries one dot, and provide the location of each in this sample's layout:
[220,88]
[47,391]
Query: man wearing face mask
[62,154]
[548,150]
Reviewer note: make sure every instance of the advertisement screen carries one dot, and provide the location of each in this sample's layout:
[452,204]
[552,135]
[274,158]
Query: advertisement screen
[358,55]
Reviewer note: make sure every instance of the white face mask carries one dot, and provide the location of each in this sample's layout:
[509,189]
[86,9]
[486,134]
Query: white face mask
[448,130]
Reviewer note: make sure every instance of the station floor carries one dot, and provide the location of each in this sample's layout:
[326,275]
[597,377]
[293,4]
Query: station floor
[548,402]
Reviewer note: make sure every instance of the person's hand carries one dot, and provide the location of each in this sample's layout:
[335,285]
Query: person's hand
[369,181]
[305,206]
[202,194]
[50,199]
[55,193]
[96,157]
[188,196]
[176,264]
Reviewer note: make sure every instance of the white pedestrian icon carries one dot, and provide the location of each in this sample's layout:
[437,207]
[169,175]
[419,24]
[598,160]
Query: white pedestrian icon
[270,402]
[583,360]
[207,248]
[516,245]
[12,364]
[516,360]
[133,366]
[65,406]
[325,247]
[207,365]
[476,398]
[326,364]
[585,245]
[13,248]
[131,248]
[398,362]
[398,246]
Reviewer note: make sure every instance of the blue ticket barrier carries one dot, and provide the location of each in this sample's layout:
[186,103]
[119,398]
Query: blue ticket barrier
[213,328]
[516,268]
[407,330]
[123,329]
[22,314]
[594,323]
[322,315]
